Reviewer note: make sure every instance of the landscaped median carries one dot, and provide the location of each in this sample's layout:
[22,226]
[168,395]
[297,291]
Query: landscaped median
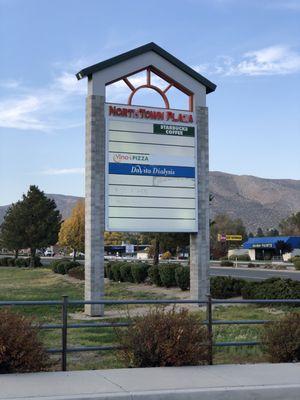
[173,275]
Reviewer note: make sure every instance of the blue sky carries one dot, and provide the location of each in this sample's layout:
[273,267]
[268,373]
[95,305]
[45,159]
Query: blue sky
[250,49]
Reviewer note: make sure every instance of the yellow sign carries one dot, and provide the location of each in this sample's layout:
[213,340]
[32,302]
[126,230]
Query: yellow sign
[234,237]
[225,238]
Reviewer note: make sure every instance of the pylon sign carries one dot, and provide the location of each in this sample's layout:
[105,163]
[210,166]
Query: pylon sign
[151,170]
[146,168]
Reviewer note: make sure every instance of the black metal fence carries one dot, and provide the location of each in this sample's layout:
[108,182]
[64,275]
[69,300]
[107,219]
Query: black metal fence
[65,303]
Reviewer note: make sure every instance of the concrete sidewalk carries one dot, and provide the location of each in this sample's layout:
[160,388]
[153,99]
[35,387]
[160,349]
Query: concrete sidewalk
[219,382]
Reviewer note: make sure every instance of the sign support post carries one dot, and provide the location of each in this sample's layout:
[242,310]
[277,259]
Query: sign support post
[94,203]
[199,242]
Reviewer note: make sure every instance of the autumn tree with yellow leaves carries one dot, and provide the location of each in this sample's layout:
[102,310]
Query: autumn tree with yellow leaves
[72,230]
[113,238]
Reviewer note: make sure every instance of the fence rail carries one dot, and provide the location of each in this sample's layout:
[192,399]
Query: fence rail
[209,321]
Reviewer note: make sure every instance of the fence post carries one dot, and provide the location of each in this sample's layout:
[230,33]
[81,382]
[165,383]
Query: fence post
[64,333]
[209,328]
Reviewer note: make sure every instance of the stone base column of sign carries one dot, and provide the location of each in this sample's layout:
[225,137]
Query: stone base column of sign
[94,203]
[199,242]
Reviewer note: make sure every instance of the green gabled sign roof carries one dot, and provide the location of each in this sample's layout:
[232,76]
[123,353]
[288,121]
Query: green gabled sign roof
[86,72]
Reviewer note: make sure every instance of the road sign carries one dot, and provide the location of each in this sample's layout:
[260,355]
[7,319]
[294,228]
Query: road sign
[129,248]
[150,170]
[229,238]
[234,238]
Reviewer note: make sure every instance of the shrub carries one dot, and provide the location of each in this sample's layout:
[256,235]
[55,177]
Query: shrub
[295,258]
[70,265]
[63,266]
[226,263]
[37,261]
[115,271]
[282,339]
[165,338]
[182,277]
[11,262]
[154,276]
[240,257]
[54,264]
[252,265]
[224,287]
[22,262]
[167,274]
[273,288]
[139,272]
[5,261]
[108,271]
[60,268]
[268,266]
[20,348]
[166,255]
[77,272]
[248,290]
[125,271]
[297,264]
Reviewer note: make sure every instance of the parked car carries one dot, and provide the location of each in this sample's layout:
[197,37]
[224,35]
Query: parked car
[78,254]
[49,253]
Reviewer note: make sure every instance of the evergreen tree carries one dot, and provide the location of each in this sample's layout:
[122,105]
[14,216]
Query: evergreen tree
[12,229]
[40,221]
[282,247]
[260,232]
[291,225]
[272,232]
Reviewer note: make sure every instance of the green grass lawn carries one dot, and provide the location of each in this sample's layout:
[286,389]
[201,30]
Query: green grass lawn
[43,284]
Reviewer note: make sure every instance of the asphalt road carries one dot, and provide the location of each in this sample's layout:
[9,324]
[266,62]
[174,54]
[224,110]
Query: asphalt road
[253,274]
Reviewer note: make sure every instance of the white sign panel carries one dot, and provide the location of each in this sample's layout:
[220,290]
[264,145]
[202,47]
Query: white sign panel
[151,173]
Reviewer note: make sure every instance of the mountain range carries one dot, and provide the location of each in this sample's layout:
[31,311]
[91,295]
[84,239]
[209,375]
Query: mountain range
[259,202]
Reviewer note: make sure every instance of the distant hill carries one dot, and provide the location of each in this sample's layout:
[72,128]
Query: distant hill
[65,203]
[258,202]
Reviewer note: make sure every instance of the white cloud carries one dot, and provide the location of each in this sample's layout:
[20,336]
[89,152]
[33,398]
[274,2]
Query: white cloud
[10,83]
[273,60]
[293,5]
[68,83]
[20,113]
[47,108]
[63,171]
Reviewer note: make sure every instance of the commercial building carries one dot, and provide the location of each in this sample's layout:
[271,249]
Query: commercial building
[266,248]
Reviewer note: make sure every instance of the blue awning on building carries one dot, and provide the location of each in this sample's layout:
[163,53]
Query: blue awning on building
[270,242]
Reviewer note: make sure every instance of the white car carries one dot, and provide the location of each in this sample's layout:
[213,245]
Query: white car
[78,254]
[49,253]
